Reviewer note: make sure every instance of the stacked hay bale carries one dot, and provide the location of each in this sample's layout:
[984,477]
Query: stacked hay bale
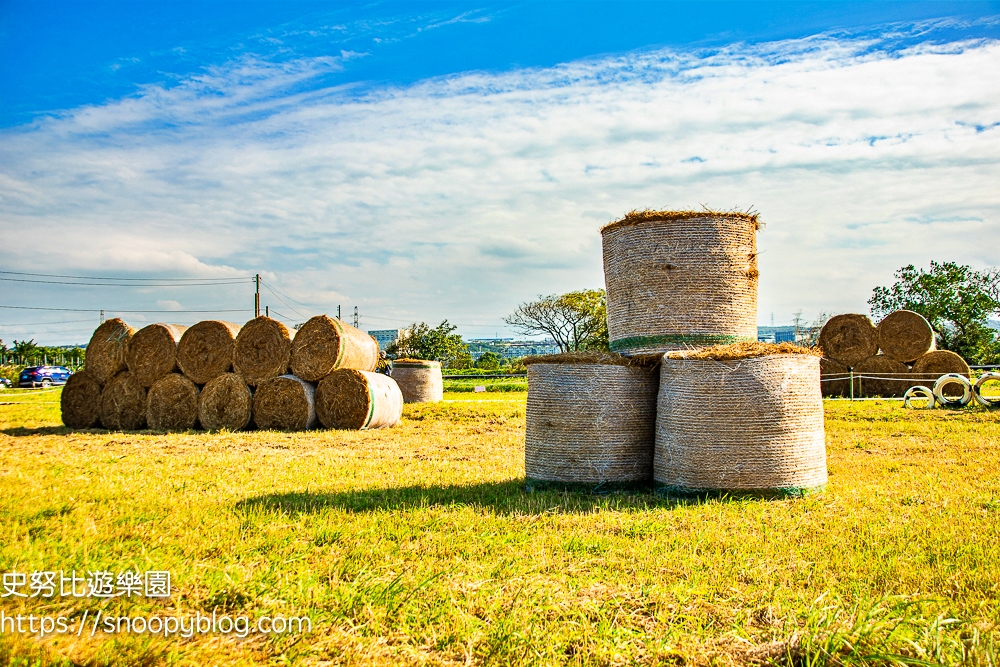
[420,380]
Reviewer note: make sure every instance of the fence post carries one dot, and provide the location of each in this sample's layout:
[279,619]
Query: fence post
[852,384]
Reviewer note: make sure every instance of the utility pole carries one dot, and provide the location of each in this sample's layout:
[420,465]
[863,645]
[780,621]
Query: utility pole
[338,312]
[355,317]
[267,311]
[256,297]
[102,317]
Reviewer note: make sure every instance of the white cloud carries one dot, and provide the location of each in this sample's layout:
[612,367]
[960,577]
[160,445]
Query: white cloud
[461,196]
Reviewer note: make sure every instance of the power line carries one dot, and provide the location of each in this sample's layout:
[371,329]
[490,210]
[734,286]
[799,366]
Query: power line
[283,301]
[56,275]
[124,310]
[122,284]
[38,324]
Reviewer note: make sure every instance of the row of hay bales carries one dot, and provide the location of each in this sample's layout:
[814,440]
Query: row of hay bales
[883,360]
[687,399]
[217,375]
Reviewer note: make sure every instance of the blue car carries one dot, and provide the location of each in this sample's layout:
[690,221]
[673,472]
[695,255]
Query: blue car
[43,376]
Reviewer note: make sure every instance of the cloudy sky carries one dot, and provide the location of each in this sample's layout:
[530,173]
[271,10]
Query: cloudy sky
[451,160]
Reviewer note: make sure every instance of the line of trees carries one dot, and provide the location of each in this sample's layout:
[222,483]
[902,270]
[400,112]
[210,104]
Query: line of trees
[27,353]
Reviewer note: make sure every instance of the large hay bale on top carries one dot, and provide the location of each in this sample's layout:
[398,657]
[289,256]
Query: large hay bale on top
[206,350]
[680,279]
[105,356]
[882,376]
[324,344]
[123,403]
[152,352]
[834,377]
[358,400]
[263,350]
[285,403]
[419,380]
[172,404]
[848,338]
[80,402]
[905,335]
[740,422]
[225,403]
[928,368]
[589,419]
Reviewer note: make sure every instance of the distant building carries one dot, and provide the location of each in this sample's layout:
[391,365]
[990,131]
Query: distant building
[508,348]
[385,337]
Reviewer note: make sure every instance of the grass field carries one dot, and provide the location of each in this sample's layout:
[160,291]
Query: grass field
[418,545]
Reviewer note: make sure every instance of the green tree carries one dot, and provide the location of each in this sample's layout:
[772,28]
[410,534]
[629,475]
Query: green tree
[420,341]
[25,349]
[489,361]
[957,302]
[575,320]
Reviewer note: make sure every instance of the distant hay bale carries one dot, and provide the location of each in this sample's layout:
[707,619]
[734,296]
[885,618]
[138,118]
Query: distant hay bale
[324,344]
[358,400]
[172,404]
[81,401]
[680,279]
[105,356]
[928,368]
[882,376]
[225,403]
[419,380]
[905,335]
[123,403]
[750,425]
[262,351]
[848,338]
[205,351]
[285,403]
[152,352]
[590,419]
[834,378]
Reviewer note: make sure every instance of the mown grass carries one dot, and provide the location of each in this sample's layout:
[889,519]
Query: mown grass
[418,545]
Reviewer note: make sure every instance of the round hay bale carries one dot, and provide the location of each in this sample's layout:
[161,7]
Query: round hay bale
[928,368]
[123,403]
[419,380]
[105,356]
[905,335]
[324,344]
[225,403]
[751,425]
[358,400]
[589,419]
[285,403]
[262,351]
[834,378]
[81,401]
[680,279]
[848,338]
[881,375]
[172,404]
[205,351]
[152,352]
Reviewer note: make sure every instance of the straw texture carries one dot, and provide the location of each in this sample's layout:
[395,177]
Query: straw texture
[358,400]
[324,344]
[678,280]
[81,401]
[928,368]
[262,351]
[285,403]
[123,403]
[905,335]
[848,338]
[172,404]
[884,376]
[106,350]
[590,423]
[152,352]
[752,425]
[834,378]
[225,403]
[419,381]
[206,350]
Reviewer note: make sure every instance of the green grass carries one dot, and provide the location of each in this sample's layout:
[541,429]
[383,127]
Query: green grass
[418,545]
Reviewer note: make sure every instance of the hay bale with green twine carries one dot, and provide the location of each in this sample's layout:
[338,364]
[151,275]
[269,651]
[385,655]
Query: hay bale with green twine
[172,404]
[106,350]
[324,344]
[680,279]
[358,400]
[740,419]
[262,351]
[929,367]
[285,403]
[225,403]
[419,380]
[123,403]
[849,338]
[881,375]
[152,352]
[80,402]
[205,351]
[905,336]
[589,420]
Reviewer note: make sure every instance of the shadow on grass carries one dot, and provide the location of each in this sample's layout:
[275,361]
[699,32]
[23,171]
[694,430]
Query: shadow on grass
[23,431]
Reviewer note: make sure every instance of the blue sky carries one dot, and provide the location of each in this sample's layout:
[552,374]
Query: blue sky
[435,160]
